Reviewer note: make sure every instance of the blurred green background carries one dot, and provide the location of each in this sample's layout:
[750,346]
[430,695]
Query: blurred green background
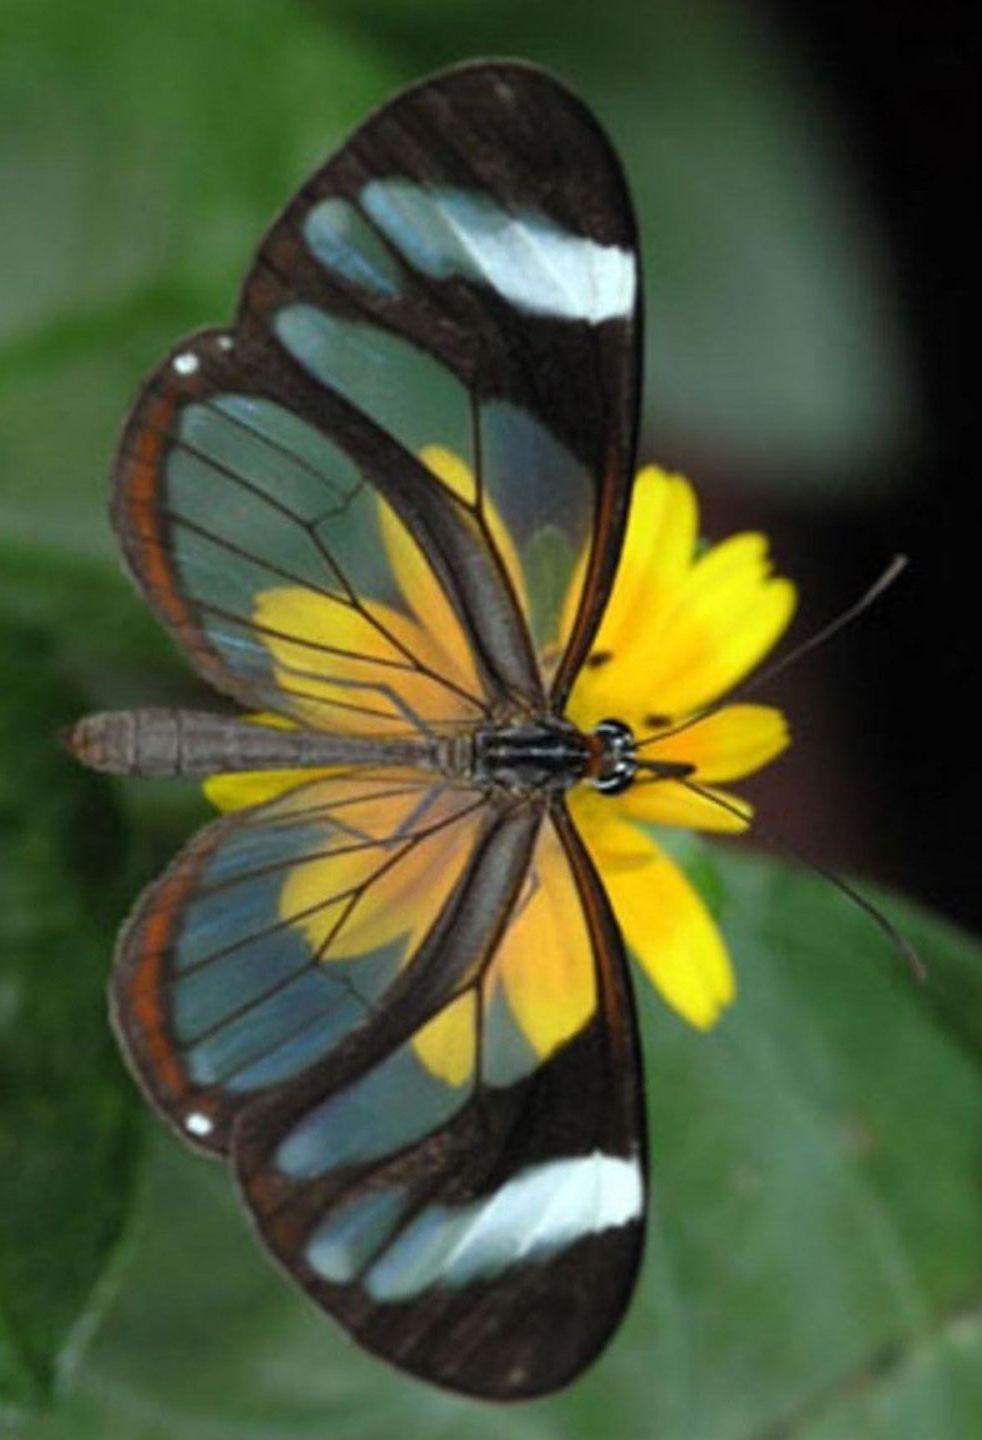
[815,1262]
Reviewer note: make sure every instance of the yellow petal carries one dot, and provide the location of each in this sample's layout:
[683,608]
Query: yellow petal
[447,1044]
[666,802]
[609,690]
[659,543]
[254,787]
[451,471]
[658,548]
[401,901]
[682,638]
[727,613]
[597,818]
[275,722]
[735,741]
[459,478]
[239,790]
[306,628]
[442,638]
[339,671]
[666,926]
[545,960]
[397,888]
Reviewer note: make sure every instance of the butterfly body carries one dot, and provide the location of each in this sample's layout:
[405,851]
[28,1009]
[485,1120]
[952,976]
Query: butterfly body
[382,512]
[525,756]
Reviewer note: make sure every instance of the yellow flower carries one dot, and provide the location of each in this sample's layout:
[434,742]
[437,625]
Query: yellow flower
[682,627]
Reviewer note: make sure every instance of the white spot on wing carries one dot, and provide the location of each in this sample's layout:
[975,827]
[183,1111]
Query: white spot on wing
[524,255]
[196,1123]
[539,1212]
[186,363]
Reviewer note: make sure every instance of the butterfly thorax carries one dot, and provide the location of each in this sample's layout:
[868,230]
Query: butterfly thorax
[531,755]
[546,754]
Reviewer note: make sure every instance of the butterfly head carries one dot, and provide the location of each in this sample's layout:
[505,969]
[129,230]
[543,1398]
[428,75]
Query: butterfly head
[615,763]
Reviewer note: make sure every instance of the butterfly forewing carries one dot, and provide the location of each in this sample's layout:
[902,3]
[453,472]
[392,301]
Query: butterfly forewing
[456,291]
[390,499]
[464,273]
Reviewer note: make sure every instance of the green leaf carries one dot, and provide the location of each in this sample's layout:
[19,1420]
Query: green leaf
[815,1257]
[151,141]
[66,1109]
[116,641]
[934,1388]
[148,148]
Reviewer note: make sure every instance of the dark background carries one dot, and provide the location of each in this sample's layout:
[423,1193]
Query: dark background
[886,774]
[910,83]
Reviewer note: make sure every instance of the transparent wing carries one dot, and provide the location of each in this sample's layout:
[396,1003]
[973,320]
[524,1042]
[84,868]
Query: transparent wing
[367,504]
[469,1200]
[280,930]
[294,585]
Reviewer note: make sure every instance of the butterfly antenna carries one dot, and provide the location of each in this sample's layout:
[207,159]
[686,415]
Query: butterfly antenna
[900,942]
[763,677]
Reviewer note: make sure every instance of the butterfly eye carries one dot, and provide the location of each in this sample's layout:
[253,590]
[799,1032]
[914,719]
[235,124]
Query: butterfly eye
[616,763]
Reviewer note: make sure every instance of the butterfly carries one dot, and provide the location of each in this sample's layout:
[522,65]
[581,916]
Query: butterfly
[382,511]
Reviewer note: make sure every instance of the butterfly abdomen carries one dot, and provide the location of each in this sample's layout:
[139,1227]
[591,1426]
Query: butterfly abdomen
[189,742]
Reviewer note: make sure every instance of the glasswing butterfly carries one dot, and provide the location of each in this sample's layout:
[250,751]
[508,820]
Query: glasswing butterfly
[359,510]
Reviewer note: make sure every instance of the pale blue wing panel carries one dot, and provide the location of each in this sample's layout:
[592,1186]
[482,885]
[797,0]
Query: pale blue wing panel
[292,581]
[277,932]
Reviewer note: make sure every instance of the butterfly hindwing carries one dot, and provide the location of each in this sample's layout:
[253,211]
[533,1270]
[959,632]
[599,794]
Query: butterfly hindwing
[278,930]
[470,1216]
